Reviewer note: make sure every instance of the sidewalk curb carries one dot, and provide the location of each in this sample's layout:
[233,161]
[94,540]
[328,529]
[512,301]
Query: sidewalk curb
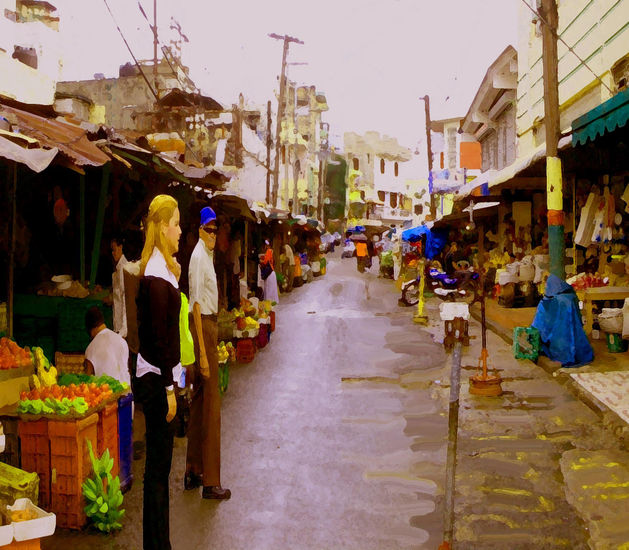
[611,420]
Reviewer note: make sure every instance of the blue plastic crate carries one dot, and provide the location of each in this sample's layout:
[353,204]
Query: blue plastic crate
[125,442]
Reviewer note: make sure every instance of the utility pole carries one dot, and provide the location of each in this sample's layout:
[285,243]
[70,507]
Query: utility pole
[426,100]
[269,141]
[155,47]
[554,190]
[280,112]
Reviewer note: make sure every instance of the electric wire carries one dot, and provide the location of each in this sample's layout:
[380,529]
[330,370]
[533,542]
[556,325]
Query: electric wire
[556,35]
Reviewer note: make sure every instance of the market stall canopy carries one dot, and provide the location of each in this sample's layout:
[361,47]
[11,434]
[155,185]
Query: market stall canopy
[71,141]
[612,114]
[35,158]
[435,239]
[358,237]
[232,205]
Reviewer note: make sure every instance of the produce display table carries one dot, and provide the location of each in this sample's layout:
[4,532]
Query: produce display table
[590,295]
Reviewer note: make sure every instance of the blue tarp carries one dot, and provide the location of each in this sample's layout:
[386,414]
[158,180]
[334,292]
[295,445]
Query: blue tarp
[558,320]
[435,239]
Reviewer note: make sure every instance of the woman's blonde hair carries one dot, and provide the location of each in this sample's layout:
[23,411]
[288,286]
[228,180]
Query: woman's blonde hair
[161,210]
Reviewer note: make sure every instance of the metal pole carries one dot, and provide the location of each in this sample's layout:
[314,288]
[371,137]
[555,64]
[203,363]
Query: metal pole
[426,100]
[155,47]
[269,142]
[12,251]
[453,427]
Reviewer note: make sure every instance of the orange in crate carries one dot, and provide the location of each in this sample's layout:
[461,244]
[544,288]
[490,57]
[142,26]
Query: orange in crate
[108,434]
[245,350]
[35,455]
[70,465]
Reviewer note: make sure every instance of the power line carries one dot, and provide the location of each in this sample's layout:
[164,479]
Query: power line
[130,51]
[142,72]
[556,35]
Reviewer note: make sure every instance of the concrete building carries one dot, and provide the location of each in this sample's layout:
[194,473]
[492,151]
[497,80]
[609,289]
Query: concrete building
[377,189]
[304,150]
[29,51]
[599,33]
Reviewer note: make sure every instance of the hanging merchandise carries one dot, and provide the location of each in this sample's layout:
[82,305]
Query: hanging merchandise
[625,197]
[583,236]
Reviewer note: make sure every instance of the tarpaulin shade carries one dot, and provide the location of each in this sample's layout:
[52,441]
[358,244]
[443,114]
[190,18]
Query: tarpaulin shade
[435,239]
[558,320]
[608,116]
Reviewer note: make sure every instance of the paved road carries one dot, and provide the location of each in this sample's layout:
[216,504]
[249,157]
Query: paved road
[335,437]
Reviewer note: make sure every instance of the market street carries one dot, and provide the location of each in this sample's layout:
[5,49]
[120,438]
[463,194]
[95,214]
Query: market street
[335,437]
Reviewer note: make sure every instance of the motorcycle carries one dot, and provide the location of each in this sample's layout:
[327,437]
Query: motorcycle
[460,286]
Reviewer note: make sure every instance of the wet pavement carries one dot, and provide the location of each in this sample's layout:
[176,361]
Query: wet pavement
[335,437]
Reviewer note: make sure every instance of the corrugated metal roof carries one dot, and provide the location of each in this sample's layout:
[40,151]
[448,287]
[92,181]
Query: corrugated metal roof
[69,139]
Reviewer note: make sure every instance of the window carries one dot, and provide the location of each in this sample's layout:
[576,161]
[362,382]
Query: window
[393,200]
[28,56]
[419,209]
[382,166]
[356,163]
[395,169]
[381,196]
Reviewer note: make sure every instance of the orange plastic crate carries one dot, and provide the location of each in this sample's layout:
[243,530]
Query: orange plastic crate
[35,455]
[108,434]
[70,465]
[31,544]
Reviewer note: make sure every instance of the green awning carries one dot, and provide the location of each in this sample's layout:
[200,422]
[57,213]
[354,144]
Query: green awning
[608,116]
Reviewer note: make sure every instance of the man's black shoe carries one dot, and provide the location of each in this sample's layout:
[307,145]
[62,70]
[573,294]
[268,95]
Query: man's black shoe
[217,493]
[192,481]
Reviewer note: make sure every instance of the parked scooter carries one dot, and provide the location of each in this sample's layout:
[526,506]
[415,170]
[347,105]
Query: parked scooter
[460,286]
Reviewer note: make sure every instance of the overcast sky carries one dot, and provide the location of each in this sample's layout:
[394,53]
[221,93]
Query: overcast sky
[372,58]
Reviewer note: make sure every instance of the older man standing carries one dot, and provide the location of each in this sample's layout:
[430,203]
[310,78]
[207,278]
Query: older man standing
[203,460]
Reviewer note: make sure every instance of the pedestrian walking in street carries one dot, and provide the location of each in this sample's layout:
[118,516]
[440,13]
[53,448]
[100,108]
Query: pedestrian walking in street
[267,273]
[203,458]
[361,255]
[158,362]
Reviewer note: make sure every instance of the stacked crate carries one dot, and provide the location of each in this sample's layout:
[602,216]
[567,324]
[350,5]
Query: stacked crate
[108,434]
[35,455]
[70,465]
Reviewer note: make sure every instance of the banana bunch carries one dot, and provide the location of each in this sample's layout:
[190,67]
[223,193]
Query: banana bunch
[223,353]
[251,323]
[46,374]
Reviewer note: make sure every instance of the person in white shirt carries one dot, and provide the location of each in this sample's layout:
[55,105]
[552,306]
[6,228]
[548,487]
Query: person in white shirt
[289,271]
[119,306]
[107,353]
[203,456]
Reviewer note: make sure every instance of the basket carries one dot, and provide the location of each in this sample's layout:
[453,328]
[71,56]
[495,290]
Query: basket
[245,350]
[70,363]
[610,320]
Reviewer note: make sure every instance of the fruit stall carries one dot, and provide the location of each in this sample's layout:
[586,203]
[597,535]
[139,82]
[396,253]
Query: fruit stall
[68,444]
[247,328]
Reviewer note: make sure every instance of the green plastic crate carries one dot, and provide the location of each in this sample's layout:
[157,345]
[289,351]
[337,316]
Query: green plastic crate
[16,483]
[526,343]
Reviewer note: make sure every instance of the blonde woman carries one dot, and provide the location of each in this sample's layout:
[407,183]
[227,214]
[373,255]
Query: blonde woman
[159,305]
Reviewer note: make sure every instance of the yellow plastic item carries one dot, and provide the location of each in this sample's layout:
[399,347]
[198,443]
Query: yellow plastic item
[16,483]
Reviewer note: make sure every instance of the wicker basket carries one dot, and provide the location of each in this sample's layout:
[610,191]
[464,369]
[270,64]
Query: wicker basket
[70,363]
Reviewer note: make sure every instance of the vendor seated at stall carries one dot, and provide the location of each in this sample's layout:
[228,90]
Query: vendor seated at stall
[107,353]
